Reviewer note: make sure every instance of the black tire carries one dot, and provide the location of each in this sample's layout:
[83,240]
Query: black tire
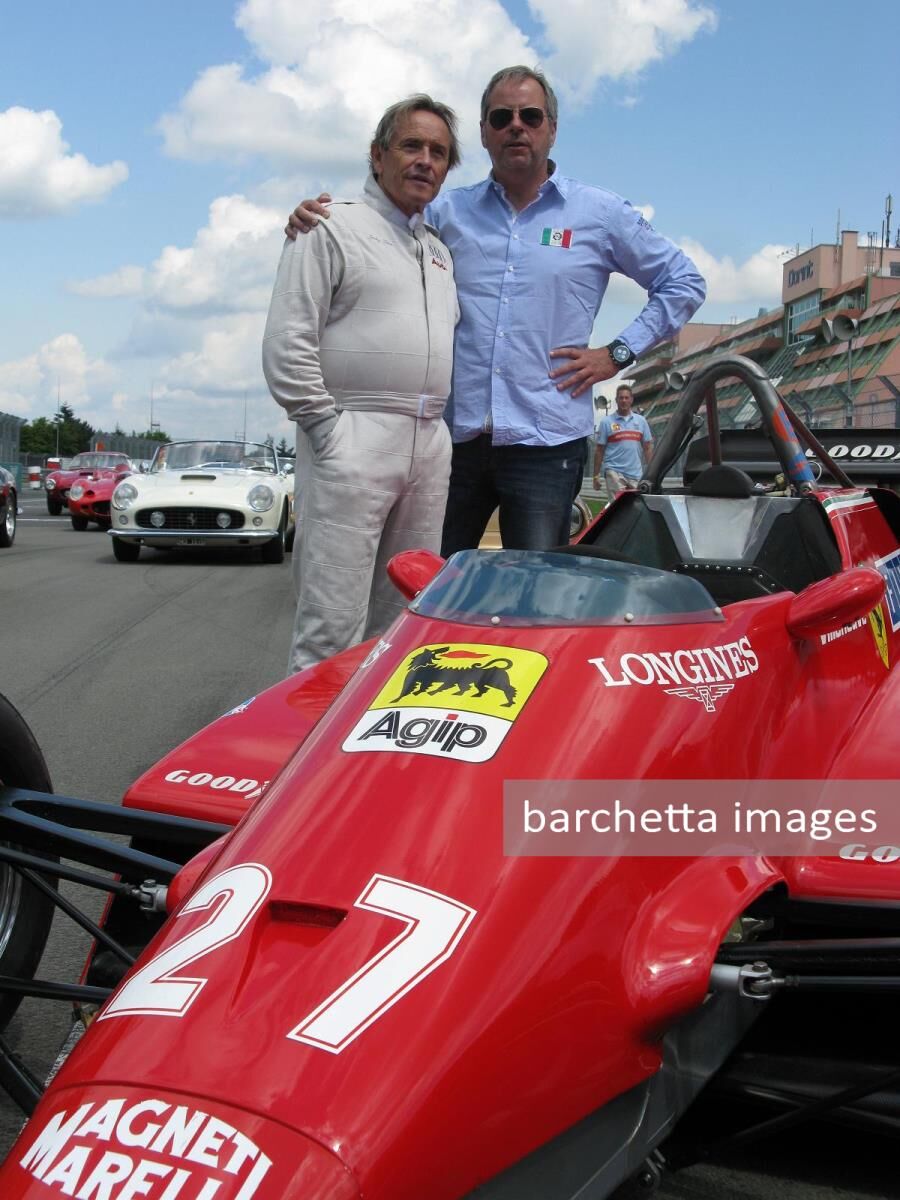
[79,524]
[8,511]
[289,540]
[54,507]
[25,913]
[273,551]
[126,551]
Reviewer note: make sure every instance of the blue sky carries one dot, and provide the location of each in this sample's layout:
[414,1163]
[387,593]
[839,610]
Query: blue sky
[149,155]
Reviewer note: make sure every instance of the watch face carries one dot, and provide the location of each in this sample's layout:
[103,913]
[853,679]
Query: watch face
[621,354]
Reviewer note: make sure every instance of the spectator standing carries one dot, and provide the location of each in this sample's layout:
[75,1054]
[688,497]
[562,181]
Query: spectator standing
[624,445]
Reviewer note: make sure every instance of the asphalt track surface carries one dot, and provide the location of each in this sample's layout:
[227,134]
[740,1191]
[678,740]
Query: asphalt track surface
[113,664]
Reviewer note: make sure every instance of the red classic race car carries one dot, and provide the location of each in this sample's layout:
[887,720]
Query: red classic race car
[9,508]
[89,499]
[379,931]
[82,467]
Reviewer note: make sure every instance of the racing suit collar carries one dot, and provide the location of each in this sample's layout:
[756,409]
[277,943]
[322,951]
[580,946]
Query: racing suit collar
[382,203]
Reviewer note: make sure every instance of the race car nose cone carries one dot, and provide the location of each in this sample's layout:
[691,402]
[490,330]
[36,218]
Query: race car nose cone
[124,1141]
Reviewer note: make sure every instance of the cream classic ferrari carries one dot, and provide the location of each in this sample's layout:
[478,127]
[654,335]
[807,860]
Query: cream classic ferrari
[206,494]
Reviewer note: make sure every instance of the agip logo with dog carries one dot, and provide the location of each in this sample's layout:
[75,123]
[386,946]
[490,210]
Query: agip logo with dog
[457,701]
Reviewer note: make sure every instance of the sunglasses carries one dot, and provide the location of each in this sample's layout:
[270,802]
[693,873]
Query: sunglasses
[501,117]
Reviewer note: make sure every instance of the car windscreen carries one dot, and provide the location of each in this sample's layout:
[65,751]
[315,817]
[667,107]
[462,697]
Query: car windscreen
[181,456]
[527,587]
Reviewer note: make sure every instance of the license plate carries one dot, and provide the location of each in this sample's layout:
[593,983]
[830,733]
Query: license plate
[190,542]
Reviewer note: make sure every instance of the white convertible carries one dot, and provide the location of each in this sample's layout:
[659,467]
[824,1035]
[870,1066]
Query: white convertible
[206,494]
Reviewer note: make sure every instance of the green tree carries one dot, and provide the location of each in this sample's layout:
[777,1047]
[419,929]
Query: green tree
[63,431]
[283,450]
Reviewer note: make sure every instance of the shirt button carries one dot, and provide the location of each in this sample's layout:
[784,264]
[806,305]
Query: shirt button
[505,300]
[511,268]
[497,371]
[501,334]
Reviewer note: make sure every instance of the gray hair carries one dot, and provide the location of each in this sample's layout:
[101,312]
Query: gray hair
[516,75]
[420,102]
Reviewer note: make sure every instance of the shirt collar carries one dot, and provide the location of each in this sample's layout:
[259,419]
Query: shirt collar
[555,179]
[383,204]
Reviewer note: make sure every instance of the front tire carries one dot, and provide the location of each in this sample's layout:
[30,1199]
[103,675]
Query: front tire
[273,551]
[79,524]
[25,913]
[54,507]
[126,551]
[8,520]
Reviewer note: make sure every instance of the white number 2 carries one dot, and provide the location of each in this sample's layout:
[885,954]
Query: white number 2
[433,925]
[154,989]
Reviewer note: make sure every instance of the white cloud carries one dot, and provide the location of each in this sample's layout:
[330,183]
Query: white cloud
[229,268]
[615,39]
[333,69]
[126,281]
[29,386]
[38,177]
[757,280]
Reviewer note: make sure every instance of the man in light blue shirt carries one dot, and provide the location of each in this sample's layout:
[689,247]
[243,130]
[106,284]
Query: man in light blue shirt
[533,251]
[624,445]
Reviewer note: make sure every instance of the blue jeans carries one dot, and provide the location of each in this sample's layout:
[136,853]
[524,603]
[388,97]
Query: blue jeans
[533,486]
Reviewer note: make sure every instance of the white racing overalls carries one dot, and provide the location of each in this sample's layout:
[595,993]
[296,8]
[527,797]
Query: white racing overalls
[358,351]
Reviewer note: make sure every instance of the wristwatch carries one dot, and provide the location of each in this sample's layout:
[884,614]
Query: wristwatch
[620,353]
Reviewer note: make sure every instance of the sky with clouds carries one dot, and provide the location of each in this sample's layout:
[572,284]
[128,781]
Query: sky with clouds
[149,155]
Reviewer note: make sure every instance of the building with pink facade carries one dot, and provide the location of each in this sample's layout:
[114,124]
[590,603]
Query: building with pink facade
[832,347]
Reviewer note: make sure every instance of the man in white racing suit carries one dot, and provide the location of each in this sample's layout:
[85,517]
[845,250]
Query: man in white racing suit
[358,350]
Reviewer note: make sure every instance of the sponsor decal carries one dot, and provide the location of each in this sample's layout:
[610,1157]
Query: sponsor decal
[889,566]
[557,237]
[879,633]
[376,652]
[121,1148]
[707,694]
[438,258]
[457,701]
[704,674]
[835,634]
[239,708]
[251,788]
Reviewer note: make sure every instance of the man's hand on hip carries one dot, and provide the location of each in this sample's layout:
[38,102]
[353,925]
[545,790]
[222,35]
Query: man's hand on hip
[306,216]
[584,369]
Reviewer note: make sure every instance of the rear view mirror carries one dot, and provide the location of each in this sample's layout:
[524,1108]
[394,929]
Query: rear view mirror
[411,570]
[832,603]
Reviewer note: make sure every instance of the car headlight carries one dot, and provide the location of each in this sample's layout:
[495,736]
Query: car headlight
[76,491]
[260,498]
[49,483]
[125,494]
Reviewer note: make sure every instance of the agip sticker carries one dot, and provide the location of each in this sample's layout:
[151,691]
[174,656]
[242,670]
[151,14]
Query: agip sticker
[456,701]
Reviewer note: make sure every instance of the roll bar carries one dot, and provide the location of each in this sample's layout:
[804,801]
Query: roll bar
[784,427]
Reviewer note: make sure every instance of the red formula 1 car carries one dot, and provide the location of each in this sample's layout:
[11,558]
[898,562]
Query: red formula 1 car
[350,980]
[82,467]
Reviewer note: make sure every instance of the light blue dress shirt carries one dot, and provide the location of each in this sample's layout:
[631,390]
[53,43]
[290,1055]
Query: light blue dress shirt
[532,281]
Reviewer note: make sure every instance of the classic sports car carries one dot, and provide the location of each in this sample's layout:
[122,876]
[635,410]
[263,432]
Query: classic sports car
[89,499]
[82,466]
[206,494]
[9,508]
[345,959]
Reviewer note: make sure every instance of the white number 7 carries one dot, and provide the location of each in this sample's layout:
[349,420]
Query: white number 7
[434,925]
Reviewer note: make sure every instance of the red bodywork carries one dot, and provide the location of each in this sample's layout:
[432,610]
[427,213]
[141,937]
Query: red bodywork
[398,1010]
[86,466]
[93,505]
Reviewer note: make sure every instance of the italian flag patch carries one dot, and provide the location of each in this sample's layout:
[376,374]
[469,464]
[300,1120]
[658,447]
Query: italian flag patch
[557,237]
